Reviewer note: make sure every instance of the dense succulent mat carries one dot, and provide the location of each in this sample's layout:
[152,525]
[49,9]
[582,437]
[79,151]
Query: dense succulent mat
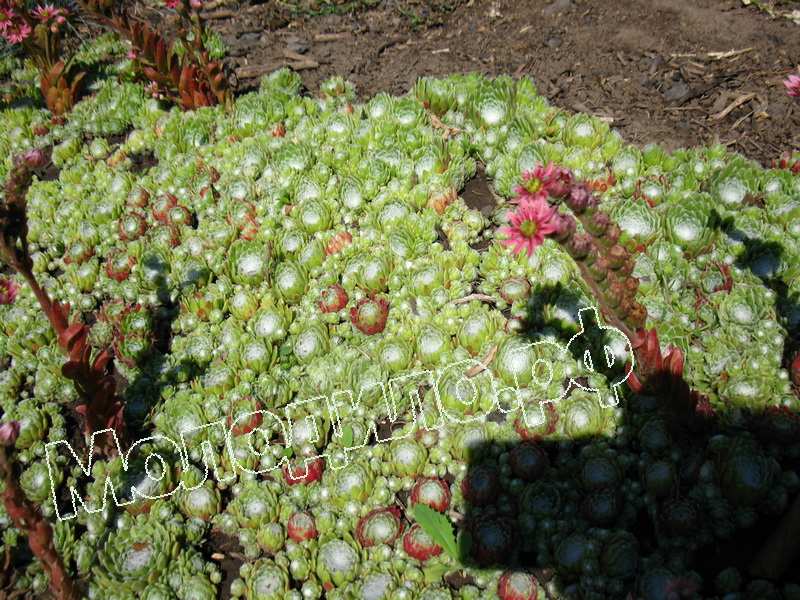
[299,246]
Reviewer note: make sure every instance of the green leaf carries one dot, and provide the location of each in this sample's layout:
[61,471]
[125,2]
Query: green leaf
[288,452]
[347,436]
[439,527]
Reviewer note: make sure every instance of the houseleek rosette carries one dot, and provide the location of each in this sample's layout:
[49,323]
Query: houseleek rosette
[338,562]
[261,580]
[138,553]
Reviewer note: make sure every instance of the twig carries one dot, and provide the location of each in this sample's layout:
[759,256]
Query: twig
[728,54]
[471,297]
[296,56]
[331,37]
[733,106]
[742,119]
[712,55]
[484,364]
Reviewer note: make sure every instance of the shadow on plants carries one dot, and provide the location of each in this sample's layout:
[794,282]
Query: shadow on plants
[660,500]
[764,258]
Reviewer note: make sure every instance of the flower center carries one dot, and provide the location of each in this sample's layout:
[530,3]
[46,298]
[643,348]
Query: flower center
[529,228]
[533,185]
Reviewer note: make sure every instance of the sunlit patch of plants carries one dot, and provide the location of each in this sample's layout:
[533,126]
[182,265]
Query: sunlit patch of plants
[166,269]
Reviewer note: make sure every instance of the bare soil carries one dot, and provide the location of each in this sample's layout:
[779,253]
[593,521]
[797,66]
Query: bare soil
[675,72]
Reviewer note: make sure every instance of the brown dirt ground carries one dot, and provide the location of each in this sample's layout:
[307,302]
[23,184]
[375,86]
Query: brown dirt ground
[650,65]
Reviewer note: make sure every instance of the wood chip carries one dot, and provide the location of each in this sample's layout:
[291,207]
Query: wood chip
[254,71]
[712,55]
[331,37]
[441,51]
[217,556]
[733,106]
[728,54]
[296,56]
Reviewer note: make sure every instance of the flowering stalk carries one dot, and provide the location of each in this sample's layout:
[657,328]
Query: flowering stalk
[28,520]
[40,33]
[191,79]
[606,266]
[93,377]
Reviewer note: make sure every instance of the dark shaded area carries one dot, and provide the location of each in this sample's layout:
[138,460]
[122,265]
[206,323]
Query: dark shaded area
[677,496]
[588,510]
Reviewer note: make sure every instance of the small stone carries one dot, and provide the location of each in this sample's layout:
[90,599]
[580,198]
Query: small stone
[676,91]
[553,41]
[558,6]
[297,44]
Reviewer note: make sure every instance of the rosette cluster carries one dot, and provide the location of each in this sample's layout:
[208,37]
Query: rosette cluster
[316,332]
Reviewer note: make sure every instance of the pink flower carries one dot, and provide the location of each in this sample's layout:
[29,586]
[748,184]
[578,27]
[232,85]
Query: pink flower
[46,13]
[132,54]
[9,432]
[530,224]
[7,16]
[173,4]
[17,32]
[543,182]
[792,84]
[8,291]
[196,4]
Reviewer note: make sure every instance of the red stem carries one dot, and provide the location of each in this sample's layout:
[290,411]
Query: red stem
[39,532]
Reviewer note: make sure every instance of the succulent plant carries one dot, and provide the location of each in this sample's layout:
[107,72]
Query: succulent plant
[296,294]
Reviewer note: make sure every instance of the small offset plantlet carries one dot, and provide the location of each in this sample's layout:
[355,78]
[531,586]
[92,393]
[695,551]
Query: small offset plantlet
[183,73]
[40,32]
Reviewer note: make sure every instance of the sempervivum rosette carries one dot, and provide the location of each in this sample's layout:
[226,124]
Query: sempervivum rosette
[248,262]
[255,505]
[198,498]
[745,473]
[406,458]
[431,491]
[261,580]
[140,551]
[689,225]
[582,415]
[353,483]
[492,540]
[337,562]
[379,526]
[369,314]
[528,461]
[301,527]
[517,585]
[419,545]
[481,485]
[303,471]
